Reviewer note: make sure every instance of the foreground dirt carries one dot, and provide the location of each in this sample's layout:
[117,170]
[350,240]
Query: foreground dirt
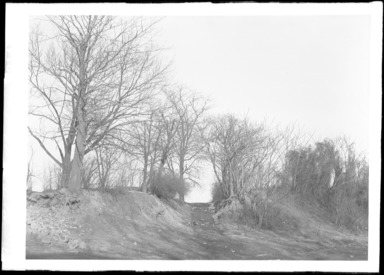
[74,230]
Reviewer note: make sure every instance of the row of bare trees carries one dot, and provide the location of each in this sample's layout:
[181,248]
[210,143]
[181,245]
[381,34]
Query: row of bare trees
[91,77]
[169,137]
[101,95]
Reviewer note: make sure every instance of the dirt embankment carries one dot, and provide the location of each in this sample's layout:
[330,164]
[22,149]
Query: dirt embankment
[134,225]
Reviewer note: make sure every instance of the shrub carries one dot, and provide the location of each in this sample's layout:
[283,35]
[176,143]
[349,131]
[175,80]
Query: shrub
[167,185]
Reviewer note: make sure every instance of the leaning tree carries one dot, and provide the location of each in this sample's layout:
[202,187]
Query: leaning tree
[89,78]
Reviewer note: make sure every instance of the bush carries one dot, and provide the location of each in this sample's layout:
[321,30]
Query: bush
[167,185]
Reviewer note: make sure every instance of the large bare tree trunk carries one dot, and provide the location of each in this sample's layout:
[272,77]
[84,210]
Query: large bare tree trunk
[75,180]
[66,170]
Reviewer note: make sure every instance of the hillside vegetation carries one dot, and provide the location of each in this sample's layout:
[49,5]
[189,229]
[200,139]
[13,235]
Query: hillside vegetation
[258,172]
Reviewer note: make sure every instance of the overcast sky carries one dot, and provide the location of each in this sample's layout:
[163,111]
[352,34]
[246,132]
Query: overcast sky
[309,70]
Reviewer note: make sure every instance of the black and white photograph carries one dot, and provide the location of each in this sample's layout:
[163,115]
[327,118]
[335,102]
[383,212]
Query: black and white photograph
[192,137]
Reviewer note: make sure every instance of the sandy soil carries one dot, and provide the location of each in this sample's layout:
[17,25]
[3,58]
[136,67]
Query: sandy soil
[173,232]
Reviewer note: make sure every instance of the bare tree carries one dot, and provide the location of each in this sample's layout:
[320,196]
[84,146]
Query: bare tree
[231,143]
[127,172]
[106,158]
[266,178]
[247,159]
[143,141]
[169,124]
[92,81]
[189,109]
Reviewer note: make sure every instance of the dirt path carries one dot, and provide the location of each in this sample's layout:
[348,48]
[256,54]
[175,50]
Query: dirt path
[214,243]
[218,241]
[207,240]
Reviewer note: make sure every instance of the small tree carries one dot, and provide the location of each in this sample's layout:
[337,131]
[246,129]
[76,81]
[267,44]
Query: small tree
[247,160]
[232,146]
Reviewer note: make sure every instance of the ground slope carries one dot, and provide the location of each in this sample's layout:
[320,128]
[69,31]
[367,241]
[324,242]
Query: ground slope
[133,225]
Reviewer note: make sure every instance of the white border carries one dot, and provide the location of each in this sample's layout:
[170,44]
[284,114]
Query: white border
[15,138]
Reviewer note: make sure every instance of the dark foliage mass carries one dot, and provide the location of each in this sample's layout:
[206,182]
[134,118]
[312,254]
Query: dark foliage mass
[168,185]
[328,177]
[335,178]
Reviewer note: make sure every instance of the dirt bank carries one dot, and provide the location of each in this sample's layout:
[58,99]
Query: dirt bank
[133,225]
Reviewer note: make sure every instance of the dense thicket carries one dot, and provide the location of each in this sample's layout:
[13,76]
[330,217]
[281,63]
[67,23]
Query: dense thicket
[329,175]
[334,176]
